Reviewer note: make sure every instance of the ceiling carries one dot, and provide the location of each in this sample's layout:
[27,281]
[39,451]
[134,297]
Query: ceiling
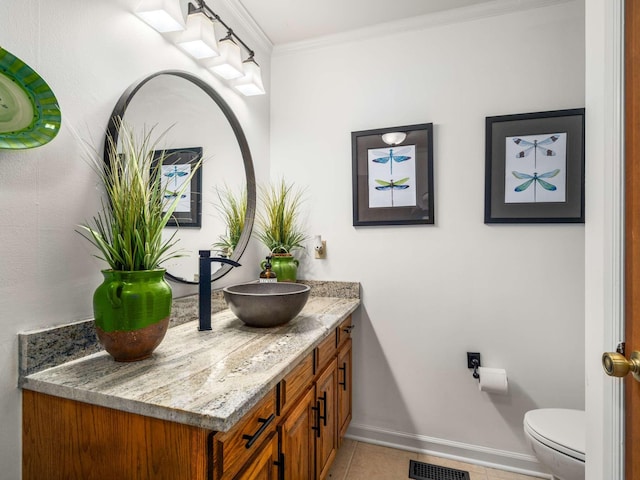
[289,21]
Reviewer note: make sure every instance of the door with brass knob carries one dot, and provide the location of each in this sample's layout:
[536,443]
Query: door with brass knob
[616,364]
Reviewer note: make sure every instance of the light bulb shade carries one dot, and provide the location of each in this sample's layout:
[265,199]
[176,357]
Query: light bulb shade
[229,64]
[199,39]
[394,138]
[251,83]
[162,15]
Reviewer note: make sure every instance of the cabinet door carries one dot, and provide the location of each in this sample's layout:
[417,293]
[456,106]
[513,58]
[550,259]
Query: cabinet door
[64,439]
[327,442]
[297,439]
[344,389]
[264,464]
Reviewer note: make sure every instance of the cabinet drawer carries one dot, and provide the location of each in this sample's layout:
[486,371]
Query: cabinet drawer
[325,351]
[233,448]
[295,383]
[264,465]
[344,330]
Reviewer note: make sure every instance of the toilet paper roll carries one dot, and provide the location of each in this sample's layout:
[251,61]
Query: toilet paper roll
[493,380]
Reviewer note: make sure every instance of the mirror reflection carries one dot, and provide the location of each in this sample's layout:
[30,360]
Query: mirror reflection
[196,120]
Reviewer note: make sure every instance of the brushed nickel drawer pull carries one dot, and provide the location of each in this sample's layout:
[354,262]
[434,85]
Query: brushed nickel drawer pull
[252,438]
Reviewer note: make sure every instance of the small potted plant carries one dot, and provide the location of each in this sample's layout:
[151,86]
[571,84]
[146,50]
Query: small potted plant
[133,304]
[233,209]
[279,228]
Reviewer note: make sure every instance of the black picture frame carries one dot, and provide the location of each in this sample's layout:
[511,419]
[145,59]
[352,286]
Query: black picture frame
[534,167]
[374,189]
[191,215]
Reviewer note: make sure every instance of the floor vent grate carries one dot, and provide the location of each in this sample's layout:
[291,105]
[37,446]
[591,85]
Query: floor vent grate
[427,471]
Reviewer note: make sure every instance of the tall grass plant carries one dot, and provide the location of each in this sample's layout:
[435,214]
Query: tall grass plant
[233,210]
[279,224]
[128,230]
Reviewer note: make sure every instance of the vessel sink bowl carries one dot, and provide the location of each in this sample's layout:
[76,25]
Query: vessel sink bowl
[266,304]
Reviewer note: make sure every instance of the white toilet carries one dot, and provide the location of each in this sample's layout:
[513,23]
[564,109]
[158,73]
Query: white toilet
[557,437]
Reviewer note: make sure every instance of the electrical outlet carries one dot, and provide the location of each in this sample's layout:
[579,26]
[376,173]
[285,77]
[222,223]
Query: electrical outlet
[322,253]
[471,356]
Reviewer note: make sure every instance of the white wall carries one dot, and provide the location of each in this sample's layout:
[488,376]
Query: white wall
[515,293]
[88,53]
[431,293]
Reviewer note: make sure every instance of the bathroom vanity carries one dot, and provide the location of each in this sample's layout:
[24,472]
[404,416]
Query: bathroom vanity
[231,403]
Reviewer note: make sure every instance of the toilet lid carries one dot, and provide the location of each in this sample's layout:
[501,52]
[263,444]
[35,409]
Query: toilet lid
[562,429]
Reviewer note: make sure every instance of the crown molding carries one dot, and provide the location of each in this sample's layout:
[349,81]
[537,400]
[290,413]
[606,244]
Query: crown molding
[456,15]
[249,25]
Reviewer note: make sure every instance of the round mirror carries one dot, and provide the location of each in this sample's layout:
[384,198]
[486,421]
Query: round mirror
[199,124]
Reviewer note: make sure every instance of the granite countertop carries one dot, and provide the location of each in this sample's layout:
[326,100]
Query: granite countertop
[207,379]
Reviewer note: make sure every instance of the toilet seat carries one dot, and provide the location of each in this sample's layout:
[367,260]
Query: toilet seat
[561,429]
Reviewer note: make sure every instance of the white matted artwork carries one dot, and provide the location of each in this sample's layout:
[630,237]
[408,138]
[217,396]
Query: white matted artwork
[535,168]
[392,176]
[173,178]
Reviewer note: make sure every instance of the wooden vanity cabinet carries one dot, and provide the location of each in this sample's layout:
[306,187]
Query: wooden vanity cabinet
[313,405]
[66,440]
[314,422]
[292,434]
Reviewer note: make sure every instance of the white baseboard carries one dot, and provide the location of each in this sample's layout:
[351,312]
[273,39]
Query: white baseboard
[475,454]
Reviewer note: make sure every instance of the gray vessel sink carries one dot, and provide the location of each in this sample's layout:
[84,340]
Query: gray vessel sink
[266,304]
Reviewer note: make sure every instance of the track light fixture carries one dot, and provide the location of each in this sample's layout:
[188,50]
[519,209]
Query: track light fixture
[251,83]
[229,64]
[197,37]
[163,15]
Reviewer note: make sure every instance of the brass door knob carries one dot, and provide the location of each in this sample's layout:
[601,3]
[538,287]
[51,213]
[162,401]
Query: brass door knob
[615,365]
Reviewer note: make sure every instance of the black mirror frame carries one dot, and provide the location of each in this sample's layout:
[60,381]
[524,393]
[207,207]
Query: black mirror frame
[113,133]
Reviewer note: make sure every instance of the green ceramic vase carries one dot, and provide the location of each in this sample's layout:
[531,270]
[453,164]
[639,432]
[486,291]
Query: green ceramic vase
[285,267]
[131,311]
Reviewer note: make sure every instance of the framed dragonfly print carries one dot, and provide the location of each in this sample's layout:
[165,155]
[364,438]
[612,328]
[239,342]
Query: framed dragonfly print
[534,171]
[393,175]
[176,167]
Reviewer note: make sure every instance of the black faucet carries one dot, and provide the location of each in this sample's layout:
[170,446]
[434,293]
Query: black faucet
[204,286]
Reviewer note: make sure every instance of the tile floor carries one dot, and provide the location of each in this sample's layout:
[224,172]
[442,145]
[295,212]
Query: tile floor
[364,461]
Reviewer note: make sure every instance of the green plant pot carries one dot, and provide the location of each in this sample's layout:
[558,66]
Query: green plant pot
[131,311]
[284,265]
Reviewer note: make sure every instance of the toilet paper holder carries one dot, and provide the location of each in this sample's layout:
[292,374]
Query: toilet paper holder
[473,361]
[476,364]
